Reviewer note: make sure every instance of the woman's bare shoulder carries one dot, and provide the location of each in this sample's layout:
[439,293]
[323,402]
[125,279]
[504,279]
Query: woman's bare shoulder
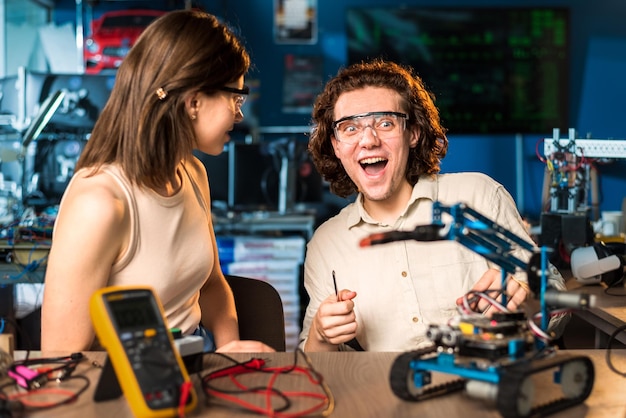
[94,195]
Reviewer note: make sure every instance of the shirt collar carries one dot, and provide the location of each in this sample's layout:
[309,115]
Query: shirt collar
[425,188]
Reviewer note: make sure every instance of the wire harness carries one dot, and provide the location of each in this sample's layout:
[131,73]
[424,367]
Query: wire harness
[230,387]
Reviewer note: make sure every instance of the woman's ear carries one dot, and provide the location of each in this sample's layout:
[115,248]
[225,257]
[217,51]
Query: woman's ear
[191,105]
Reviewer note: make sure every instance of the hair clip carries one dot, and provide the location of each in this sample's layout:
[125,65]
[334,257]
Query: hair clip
[161,94]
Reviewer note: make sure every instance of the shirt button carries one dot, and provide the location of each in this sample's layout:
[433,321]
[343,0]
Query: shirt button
[404,274]
[415,319]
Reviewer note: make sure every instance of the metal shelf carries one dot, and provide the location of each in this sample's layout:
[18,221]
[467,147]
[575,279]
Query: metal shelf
[590,148]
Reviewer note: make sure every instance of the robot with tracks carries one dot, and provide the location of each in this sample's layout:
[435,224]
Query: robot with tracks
[494,358]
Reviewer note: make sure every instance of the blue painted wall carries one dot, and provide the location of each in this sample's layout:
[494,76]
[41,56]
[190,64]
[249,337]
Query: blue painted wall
[597,86]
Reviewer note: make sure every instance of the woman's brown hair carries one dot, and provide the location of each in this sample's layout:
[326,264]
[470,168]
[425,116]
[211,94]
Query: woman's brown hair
[146,133]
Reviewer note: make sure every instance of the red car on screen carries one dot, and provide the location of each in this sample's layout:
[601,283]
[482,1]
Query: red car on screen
[112,36]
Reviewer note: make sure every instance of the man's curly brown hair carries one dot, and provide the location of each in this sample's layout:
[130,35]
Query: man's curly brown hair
[419,105]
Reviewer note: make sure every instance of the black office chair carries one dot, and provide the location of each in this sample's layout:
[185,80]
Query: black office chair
[260,311]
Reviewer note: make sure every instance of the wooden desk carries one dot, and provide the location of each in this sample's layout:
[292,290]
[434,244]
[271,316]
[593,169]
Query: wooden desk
[359,382]
[608,315]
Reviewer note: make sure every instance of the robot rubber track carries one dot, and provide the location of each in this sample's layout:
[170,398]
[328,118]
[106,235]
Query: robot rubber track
[497,357]
[514,386]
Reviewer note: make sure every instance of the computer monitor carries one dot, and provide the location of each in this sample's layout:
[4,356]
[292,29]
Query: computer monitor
[246,177]
[253,177]
[257,180]
[217,170]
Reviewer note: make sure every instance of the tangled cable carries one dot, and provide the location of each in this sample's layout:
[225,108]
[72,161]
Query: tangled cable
[28,387]
[470,304]
[228,385]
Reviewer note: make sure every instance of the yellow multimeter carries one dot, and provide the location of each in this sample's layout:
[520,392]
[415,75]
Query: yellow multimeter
[130,325]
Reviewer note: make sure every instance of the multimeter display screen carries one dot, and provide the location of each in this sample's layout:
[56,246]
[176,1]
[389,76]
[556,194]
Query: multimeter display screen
[134,312]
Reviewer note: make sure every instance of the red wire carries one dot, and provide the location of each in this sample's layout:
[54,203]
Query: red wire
[268,391]
[542,159]
[185,390]
[269,411]
[33,393]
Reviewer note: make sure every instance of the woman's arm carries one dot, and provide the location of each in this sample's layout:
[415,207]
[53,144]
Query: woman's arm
[219,314]
[217,303]
[87,239]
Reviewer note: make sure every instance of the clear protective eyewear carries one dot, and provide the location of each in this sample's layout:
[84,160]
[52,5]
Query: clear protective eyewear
[385,125]
[240,94]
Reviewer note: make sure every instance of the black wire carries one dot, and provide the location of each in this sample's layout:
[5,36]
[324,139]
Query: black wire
[286,370]
[22,406]
[69,399]
[227,357]
[253,390]
[67,363]
[207,386]
[615,286]
[72,358]
[608,351]
[66,368]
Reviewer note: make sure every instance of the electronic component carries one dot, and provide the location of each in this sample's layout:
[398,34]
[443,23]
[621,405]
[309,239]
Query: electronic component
[191,349]
[26,375]
[495,358]
[27,378]
[569,162]
[129,323]
[571,198]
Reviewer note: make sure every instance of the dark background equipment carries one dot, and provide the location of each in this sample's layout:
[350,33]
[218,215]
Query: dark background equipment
[492,70]
[252,176]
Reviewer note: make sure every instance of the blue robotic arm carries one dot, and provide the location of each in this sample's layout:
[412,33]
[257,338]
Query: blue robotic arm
[494,358]
[486,237]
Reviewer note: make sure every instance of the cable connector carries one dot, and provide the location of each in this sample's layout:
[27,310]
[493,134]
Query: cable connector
[27,378]
[252,365]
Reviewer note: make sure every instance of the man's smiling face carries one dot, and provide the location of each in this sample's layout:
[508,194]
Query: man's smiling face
[376,166]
